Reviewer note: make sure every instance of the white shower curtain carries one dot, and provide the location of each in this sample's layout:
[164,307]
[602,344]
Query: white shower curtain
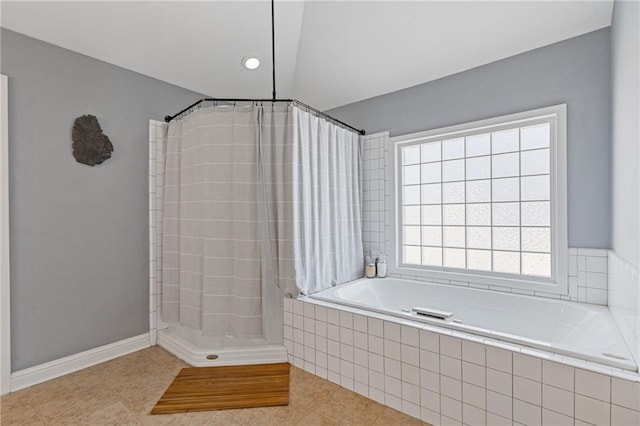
[255,193]
[212,263]
[326,204]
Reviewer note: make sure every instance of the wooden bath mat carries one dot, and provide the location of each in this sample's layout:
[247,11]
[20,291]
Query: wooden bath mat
[221,388]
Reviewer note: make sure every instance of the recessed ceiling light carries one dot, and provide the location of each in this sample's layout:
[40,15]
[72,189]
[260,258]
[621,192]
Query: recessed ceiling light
[250,62]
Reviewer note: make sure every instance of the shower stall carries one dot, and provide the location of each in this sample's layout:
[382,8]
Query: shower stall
[249,202]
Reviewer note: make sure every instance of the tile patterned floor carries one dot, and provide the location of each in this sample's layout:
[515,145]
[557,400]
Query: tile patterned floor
[123,391]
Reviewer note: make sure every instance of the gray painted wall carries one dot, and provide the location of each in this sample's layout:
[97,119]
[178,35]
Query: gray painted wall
[625,69]
[575,71]
[79,234]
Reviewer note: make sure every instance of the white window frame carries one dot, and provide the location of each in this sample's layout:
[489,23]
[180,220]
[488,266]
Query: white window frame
[558,282]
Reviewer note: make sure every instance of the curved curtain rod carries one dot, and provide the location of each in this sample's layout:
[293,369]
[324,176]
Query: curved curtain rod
[296,102]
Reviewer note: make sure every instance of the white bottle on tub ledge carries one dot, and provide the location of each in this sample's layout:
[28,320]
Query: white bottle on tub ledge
[382,266]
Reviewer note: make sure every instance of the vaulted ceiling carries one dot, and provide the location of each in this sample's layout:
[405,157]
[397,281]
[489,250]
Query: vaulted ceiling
[328,53]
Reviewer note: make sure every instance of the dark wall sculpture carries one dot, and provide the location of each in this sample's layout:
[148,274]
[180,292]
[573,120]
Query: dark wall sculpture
[90,145]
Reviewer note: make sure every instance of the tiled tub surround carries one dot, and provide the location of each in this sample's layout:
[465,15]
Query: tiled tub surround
[566,328]
[624,300]
[445,377]
[587,267]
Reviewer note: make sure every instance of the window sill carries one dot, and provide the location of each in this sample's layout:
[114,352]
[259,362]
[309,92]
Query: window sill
[490,282]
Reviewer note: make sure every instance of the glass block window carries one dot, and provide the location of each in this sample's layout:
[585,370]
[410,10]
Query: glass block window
[479,200]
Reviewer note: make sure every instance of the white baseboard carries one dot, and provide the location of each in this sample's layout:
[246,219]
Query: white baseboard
[50,370]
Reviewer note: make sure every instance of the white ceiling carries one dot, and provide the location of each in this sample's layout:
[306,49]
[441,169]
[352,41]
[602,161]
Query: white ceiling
[329,53]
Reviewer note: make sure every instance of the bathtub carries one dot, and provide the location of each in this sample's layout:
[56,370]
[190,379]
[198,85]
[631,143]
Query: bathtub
[567,328]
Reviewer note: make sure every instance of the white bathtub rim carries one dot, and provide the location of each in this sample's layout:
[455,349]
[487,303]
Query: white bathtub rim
[474,289]
[595,367]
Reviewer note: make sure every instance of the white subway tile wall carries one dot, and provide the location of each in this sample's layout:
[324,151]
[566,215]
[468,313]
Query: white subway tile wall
[587,267]
[157,138]
[444,377]
[373,197]
[624,300]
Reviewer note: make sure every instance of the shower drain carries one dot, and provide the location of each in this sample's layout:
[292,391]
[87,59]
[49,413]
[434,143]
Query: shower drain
[212,356]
